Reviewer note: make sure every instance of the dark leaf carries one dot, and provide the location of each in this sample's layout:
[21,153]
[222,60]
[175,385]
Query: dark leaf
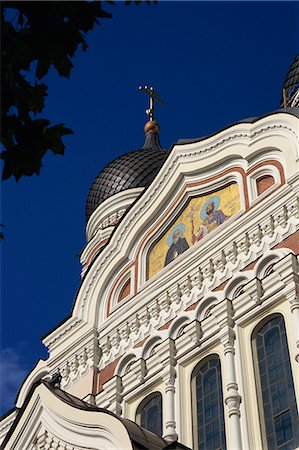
[46,34]
[36,100]
[42,67]
[32,140]
[53,134]
[63,65]
[7,170]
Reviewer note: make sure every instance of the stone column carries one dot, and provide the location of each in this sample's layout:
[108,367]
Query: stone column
[223,314]
[170,422]
[166,354]
[233,398]
[294,305]
[288,271]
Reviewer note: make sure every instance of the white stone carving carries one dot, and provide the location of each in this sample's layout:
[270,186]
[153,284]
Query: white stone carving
[239,253]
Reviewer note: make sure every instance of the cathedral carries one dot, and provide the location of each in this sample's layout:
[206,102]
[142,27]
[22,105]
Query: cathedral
[184,332]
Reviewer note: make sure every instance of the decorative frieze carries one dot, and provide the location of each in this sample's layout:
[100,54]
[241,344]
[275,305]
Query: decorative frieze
[188,290]
[146,313]
[78,365]
[167,307]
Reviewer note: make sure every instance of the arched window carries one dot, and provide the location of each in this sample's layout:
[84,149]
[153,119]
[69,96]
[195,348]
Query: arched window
[276,388]
[208,411]
[263,183]
[149,413]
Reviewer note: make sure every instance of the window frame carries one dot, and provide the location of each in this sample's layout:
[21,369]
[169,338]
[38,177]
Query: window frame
[144,402]
[258,383]
[195,372]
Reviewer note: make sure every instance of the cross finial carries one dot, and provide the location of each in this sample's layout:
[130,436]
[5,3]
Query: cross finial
[153,96]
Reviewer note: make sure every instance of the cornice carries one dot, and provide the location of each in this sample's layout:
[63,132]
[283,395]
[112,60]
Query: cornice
[52,338]
[243,131]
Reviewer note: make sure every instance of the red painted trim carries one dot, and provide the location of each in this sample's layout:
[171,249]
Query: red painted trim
[272,162]
[278,165]
[95,250]
[115,284]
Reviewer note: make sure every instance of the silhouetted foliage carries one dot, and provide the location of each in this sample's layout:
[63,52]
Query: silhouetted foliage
[36,35]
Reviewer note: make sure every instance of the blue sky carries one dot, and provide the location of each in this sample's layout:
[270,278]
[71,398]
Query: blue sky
[212,63]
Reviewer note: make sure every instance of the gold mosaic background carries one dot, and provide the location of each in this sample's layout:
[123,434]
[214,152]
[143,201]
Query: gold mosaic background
[201,216]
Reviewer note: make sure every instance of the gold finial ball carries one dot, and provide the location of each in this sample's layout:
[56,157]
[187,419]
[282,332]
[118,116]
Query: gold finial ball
[152,127]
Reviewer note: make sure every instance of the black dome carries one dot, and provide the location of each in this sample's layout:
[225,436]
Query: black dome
[291,82]
[134,169]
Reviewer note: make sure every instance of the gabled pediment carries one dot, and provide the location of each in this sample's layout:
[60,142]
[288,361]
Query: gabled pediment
[237,169]
[51,418]
[193,170]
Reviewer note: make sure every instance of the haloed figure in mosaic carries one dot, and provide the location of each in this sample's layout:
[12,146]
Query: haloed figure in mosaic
[211,218]
[214,217]
[177,243]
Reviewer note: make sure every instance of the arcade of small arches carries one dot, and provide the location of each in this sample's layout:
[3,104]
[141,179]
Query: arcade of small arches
[273,377]
[175,367]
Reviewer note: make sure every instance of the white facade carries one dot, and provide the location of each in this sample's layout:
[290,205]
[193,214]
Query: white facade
[116,348]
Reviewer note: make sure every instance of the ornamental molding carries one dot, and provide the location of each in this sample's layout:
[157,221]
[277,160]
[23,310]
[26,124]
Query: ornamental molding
[103,221]
[141,209]
[75,359]
[93,247]
[195,286]
[242,133]
[201,336]
[51,339]
[40,371]
[77,366]
[47,440]
[243,302]
[153,308]
[193,280]
[267,233]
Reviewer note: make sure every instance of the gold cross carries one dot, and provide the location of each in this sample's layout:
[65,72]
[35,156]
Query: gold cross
[149,90]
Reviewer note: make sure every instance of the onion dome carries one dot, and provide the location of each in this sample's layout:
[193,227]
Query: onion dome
[134,169]
[291,85]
